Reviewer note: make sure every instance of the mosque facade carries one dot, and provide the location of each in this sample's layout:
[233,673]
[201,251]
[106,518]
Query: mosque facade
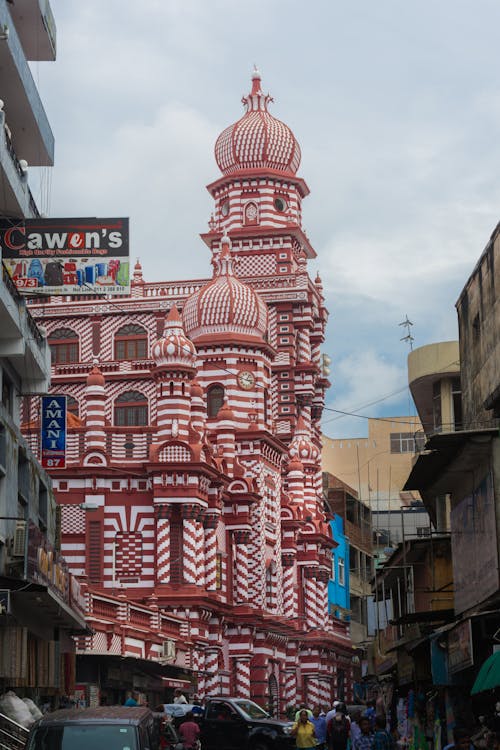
[192,493]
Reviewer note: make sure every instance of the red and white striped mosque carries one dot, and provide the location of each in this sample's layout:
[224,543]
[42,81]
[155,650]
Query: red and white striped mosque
[191,503]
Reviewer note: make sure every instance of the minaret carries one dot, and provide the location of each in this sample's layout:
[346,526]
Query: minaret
[175,366]
[95,394]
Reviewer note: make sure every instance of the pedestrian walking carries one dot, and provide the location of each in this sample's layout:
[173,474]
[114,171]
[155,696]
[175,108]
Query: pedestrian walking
[189,732]
[303,731]
[382,739]
[337,732]
[303,707]
[365,739]
[319,722]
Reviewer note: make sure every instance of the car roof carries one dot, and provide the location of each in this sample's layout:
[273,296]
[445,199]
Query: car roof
[99,715]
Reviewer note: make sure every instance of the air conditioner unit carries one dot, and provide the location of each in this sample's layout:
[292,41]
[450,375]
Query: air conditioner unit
[19,541]
[168,649]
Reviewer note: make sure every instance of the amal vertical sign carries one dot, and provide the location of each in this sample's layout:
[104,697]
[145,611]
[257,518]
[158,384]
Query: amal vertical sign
[53,438]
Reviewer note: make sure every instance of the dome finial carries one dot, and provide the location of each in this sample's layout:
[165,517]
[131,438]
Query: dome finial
[256,81]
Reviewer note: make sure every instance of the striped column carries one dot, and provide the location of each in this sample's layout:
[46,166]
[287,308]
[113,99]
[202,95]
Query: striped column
[312,691]
[243,677]
[241,539]
[189,540]
[163,516]
[212,672]
[200,553]
[289,600]
[200,672]
[323,617]
[290,696]
[95,433]
[324,692]
[210,523]
[310,598]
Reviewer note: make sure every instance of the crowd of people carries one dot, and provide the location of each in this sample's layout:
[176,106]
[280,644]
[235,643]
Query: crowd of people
[336,730]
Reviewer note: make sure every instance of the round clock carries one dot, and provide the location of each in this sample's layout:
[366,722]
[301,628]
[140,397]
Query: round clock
[246,380]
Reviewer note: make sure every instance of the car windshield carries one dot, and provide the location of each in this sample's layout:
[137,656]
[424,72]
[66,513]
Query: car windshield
[252,710]
[84,736]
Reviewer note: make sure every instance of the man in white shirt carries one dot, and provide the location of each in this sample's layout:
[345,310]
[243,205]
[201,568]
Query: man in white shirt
[179,697]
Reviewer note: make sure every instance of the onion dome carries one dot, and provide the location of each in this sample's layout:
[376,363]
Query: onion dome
[174,349]
[225,306]
[302,448]
[258,140]
[95,376]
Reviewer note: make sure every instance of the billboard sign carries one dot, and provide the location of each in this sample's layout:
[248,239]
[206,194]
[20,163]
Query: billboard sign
[53,428]
[67,256]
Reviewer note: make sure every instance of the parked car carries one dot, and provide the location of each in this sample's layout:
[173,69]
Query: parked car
[229,723]
[103,728]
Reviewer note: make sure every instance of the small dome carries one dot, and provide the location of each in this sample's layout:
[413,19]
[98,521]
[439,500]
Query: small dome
[258,140]
[225,306]
[302,448]
[174,349]
[95,376]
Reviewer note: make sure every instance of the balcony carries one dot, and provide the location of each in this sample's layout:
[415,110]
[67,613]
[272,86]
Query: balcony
[31,135]
[21,340]
[17,199]
[36,28]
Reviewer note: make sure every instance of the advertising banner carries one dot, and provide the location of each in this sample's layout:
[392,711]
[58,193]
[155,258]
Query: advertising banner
[460,652]
[67,256]
[53,432]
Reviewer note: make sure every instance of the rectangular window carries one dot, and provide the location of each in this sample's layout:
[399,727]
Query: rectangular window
[283,269]
[456,394]
[334,575]
[284,340]
[402,442]
[285,409]
[284,316]
[284,329]
[341,571]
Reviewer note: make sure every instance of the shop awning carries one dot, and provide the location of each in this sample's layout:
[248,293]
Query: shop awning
[489,675]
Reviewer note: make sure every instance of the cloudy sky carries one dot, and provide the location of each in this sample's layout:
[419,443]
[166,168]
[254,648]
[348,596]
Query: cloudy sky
[396,106]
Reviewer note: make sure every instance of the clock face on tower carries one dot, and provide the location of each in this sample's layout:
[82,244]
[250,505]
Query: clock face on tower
[246,380]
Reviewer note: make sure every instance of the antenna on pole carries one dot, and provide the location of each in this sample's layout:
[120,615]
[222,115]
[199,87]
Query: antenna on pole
[407,324]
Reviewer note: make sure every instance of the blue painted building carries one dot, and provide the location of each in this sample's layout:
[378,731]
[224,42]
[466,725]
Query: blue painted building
[338,586]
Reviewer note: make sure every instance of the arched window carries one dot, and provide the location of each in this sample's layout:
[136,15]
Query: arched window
[72,406]
[131,409]
[63,344]
[251,213]
[131,342]
[215,399]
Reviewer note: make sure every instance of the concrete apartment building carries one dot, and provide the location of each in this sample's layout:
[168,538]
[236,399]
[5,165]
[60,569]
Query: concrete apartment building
[377,467]
[39,600]
[458,473]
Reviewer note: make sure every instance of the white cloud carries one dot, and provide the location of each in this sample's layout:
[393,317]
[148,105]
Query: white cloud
[363,382]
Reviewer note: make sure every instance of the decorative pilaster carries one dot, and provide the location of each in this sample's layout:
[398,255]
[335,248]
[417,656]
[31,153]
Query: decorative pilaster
[212,671]
[241,540]
[310,609]
[210,523]
[95,394]
[189,536]
[242,676]
[289,587]
[163,516]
